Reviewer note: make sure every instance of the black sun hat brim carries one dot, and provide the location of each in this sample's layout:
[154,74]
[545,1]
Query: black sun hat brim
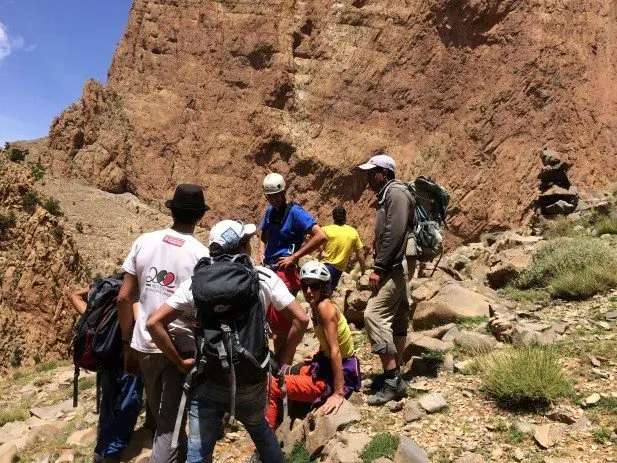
[170,204]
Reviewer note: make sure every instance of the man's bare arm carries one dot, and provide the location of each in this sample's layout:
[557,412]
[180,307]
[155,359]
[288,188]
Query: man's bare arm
[263,241]
[78,300]
[361,260]
[157,327]
[125,306]
[299,324]
[318,238]
[127,320]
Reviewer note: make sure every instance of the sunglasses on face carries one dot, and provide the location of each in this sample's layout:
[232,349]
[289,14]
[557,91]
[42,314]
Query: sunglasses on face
[315,286]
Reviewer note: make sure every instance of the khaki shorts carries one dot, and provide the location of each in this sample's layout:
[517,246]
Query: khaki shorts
[387,312]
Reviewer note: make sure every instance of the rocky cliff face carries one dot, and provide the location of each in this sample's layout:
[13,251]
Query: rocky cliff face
[220,92]
[39,266]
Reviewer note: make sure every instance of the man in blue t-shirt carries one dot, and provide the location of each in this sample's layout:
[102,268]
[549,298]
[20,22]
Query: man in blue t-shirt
[284,229]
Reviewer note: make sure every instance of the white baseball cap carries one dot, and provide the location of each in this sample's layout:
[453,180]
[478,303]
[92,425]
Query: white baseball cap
[228,233]
[380,160]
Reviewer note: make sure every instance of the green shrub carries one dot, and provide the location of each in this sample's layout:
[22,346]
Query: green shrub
[528,376]
[58,233]
[7,145]
[52,205]
[521,295]
[29,201]
[607,226]
[47,366]
[601,434]
[470,323]
[85,383]
[8,415]
[299,454]
[41,382]
[17,155]
[583,285]
[515,436]
[7,222]
[580,267]
[38,170]
[561,227]
[16,357]
[381,445]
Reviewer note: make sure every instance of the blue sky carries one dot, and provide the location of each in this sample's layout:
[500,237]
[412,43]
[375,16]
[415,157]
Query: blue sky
[48,48]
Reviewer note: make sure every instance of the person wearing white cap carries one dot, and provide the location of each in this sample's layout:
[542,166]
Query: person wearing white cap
[386,316]
[210,391]
[283,241]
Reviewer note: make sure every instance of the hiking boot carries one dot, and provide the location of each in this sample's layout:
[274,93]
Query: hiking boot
[392,389]
[377,383]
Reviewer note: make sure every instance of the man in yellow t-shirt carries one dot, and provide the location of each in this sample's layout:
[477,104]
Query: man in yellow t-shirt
[343,240]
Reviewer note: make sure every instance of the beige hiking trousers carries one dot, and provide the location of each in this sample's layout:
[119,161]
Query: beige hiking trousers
[387,312]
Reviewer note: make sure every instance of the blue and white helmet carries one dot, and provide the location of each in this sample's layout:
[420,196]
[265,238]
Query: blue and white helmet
[315,270]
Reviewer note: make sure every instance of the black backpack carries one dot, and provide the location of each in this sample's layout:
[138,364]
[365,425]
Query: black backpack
[97,342]
[231,335]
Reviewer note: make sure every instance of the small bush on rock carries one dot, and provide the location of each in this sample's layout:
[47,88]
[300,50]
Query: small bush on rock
[58,233]
[561,227]
[52,205]
[38,170]
[528,376]
[515,294]
[601,434]
[607,226]
[381,445]
[8,415]
[17,155]
[29,202]
[572,268]
[7,221]
[47,366]
[299,454]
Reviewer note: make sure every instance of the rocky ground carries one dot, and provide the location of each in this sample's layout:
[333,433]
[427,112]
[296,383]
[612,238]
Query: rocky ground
[461,312]
[449,416]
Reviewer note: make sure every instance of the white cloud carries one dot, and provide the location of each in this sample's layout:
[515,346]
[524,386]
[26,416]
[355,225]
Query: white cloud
[30,48]
[8,44]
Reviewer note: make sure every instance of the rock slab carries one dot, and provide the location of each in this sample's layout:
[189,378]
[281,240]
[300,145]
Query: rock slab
[409,452]
[432,403]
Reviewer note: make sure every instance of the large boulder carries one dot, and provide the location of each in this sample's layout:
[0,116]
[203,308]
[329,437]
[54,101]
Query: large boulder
[418,344]
[452,303]
[320,428]
[355,304]
[345,448]
[409,452]
[507,265]
[473,341]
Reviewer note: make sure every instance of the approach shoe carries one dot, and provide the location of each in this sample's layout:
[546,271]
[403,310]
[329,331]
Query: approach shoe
[392,389]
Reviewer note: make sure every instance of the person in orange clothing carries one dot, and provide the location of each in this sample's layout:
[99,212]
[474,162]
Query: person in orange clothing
[334,372]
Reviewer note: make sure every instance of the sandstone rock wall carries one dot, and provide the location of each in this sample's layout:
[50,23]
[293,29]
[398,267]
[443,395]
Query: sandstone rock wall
[39,266]
[220,92]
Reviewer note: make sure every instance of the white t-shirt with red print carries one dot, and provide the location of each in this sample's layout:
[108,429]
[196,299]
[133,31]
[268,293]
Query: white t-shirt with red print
[161,261]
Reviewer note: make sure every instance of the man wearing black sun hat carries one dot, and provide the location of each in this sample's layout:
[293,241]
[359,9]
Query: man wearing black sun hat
[157,264]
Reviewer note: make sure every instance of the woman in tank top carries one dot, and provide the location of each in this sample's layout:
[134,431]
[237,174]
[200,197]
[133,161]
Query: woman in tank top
[334,372]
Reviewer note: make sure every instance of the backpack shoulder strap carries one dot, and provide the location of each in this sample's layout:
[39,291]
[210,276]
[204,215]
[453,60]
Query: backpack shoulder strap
[288,209]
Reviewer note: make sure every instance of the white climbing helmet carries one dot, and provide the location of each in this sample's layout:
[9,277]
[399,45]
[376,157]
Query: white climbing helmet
[274,183]
[315,270]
